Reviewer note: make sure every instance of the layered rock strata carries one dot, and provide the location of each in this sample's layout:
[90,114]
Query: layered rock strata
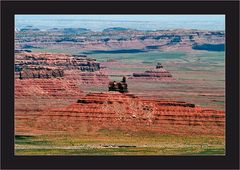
[40,72]
[61,61]
[48,65]
[44,80]
[33,95]
[114,110]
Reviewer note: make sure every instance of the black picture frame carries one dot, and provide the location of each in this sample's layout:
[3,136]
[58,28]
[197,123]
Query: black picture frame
[231,11]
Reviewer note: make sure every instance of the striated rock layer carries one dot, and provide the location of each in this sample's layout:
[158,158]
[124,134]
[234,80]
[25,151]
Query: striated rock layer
[40,72]
[30,62]
[46,80]
[114,110]
[33,95]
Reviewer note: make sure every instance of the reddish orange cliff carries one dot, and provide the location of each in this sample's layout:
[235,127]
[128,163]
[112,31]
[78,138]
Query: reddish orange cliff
[114,110]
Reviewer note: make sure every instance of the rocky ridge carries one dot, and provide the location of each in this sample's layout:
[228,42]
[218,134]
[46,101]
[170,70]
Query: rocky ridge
[114,110]
[115,38]
[48,65]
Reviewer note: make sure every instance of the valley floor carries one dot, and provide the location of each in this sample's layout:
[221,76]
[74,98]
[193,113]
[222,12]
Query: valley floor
[106,142]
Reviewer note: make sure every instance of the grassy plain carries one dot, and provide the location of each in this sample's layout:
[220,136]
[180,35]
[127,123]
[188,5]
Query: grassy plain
[117,142]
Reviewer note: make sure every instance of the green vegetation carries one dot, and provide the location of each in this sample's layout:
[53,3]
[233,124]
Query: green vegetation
[150,56]
[123,151]
[117,142]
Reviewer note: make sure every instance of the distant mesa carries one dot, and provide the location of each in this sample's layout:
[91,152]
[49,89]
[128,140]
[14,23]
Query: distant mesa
[159,73]
[120,39]
[76,30]
[48,65]
[29,28]
[115,29]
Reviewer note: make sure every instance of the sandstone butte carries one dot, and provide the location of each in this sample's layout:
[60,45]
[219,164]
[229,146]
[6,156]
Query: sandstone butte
[69,67]
[114,110]
[159,73]
[56,104]
[45,80]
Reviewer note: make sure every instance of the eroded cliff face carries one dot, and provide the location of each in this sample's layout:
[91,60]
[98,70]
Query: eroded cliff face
[114,110]
[47,80]
[40,72]
[34,95]
[50,65]
[51,60]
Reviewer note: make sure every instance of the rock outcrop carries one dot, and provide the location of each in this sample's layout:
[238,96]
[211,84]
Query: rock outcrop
[33,61]
[159,73]
[40,72]
[118,86]
[46,80]
[114,110]
[49,65]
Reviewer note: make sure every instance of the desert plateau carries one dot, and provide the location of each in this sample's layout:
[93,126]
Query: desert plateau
[119,91]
